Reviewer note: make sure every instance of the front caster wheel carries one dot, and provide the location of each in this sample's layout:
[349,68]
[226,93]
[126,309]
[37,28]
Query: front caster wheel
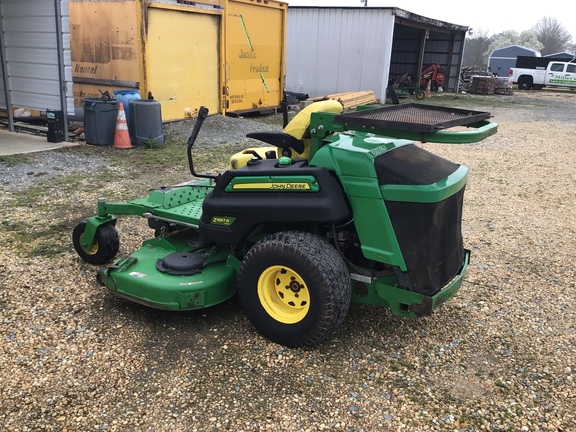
[295,288]
[104,247]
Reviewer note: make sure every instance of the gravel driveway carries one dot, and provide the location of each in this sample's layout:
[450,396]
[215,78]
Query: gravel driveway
[500,356]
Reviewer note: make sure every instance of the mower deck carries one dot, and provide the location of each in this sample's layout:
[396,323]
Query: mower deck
[175,272]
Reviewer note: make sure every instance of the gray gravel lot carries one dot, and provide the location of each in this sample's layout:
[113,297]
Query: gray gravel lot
[46,165]
[500,356]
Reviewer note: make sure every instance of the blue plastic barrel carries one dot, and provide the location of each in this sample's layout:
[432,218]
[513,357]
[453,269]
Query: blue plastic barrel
[125,96]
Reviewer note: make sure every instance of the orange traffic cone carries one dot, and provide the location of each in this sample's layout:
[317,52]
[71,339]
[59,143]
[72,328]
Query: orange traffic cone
[121,136]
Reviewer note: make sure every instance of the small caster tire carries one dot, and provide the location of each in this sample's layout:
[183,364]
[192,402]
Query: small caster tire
[104,247]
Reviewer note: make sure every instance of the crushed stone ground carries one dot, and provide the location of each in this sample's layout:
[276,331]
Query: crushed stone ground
[500,356]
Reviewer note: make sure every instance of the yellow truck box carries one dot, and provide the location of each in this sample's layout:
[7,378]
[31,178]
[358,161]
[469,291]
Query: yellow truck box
[227,55]
[255,51]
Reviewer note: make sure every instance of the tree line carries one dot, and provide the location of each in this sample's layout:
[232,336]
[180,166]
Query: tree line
[547,36]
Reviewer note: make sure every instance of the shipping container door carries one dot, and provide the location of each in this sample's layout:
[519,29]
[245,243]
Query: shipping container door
[106,48]
[254,55]
[182,61]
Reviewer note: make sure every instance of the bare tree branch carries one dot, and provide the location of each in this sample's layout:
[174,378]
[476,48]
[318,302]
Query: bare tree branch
[552,35]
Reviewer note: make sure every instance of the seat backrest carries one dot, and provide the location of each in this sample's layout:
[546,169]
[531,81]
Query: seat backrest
[298,126]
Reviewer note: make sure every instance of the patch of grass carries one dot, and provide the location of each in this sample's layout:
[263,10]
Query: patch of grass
[50,250]
[214,156]
[13,160]
[51,241]
[151,157]
[153,143]
[274,120]
[456,100]
[9,225]
[38,220]
[35,238]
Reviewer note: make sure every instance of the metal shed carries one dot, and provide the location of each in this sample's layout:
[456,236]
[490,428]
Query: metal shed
[502,59]
[339,49]
[35,62]
[562,56]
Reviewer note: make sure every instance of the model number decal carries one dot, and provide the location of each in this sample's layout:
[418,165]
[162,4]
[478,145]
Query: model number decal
[222,220]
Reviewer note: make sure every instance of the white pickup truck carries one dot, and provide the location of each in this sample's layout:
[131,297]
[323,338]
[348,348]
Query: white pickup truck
[557,74]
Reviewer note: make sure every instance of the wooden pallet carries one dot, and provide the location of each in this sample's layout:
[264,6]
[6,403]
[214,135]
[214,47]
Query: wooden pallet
[349,99]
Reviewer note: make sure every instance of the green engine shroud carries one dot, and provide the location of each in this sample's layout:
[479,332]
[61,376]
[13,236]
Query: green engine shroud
[407,206]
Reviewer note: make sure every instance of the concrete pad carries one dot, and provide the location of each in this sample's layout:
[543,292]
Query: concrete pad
[19,142]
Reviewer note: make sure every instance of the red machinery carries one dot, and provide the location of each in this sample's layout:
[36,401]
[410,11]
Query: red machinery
[433,73]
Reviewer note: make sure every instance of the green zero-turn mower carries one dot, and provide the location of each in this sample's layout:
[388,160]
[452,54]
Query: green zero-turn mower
[341,207]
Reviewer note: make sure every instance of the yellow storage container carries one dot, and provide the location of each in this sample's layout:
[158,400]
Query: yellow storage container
[227,55]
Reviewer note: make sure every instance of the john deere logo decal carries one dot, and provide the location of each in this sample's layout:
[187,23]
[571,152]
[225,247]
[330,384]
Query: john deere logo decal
[222,220]
[273,186]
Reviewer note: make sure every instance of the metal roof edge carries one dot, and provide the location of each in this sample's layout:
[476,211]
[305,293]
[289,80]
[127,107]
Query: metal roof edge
[400,13]
[410,16]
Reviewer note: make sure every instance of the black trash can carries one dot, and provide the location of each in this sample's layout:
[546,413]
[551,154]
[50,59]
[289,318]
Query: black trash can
[100,120]
[55,121]
[145,122]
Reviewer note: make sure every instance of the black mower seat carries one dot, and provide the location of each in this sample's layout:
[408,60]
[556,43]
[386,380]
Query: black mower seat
[278,139]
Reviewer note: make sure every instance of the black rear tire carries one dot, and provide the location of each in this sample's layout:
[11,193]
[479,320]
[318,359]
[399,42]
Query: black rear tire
[295,288]
[524,83]
[103,249]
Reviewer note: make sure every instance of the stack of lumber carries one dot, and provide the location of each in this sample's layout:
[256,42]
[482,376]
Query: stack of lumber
[482,85]
[350,99]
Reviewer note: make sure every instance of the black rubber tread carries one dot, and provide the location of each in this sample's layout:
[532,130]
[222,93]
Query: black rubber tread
[324,272]
[108,243]
[524,83]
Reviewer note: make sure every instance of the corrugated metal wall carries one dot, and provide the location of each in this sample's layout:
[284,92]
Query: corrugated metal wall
[337,50]
[332,50]
[405,51]
[3,100]
[36,54]
[444,48]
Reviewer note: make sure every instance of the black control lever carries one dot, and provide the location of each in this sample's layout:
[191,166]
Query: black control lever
[284,108]
[202,114]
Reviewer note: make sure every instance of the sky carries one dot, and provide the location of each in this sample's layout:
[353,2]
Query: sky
[492,17]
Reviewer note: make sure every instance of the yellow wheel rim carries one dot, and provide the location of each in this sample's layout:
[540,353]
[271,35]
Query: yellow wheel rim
[93,249]
[283,294]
